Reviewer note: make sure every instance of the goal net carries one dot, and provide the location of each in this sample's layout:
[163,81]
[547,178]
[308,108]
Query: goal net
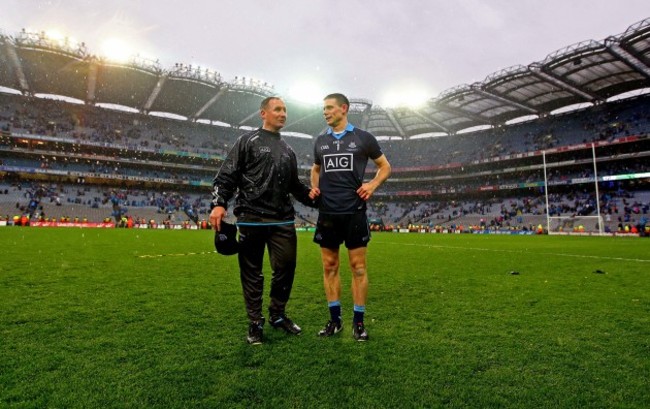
[574,225]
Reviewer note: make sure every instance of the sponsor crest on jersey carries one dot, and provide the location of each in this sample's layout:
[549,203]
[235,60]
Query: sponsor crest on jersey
[338,162]
[265,149]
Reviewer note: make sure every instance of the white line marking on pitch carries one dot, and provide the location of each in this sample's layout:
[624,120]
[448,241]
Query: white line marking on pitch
[640,260]
[175,254]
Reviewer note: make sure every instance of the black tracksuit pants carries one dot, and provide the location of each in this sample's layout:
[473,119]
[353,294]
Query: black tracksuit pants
[281,241]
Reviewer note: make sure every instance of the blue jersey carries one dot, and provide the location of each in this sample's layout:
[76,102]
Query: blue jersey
[342,160]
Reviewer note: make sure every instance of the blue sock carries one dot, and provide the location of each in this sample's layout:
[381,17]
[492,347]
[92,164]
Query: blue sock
[335,310]
[358,313]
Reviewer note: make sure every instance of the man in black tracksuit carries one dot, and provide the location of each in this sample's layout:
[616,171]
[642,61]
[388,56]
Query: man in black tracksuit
[261,171]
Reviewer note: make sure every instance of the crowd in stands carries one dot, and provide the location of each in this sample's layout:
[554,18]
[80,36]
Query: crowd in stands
[472,182]
[136,132]
[601,123]
[38,198]
[113,168]
[620,208]
[47,117]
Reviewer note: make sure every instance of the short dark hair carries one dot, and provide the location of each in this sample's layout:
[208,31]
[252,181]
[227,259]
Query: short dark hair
[265,102]
[340,98]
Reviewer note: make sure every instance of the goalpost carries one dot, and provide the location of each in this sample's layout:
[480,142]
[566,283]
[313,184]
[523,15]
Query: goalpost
[575,223]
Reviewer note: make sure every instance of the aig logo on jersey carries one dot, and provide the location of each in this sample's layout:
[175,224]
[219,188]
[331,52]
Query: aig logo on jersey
[338,162]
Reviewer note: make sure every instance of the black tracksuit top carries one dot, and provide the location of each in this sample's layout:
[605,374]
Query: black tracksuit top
[260,171]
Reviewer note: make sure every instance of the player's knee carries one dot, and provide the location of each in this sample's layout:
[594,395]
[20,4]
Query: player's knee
[330,263]
[331,268]
[359,270]
[358,265]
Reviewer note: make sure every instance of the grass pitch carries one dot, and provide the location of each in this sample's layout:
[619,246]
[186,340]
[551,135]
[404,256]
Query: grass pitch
[139,318]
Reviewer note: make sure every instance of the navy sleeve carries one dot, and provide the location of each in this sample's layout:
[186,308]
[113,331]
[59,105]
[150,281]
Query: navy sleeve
[317,158]
[374,150]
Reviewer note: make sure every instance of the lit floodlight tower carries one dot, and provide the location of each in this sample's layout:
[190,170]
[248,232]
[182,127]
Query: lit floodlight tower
[249,84]
[116,50]
[306,91]
[407,97]
[52,40]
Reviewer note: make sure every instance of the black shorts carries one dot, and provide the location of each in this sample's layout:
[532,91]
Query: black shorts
[334,229]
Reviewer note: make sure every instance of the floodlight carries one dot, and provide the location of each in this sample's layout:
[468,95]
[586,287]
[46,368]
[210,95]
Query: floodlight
[55,35]
[406,97]
[306,91]
[116,50]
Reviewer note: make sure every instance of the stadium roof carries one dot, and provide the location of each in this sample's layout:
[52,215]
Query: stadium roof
[587,72]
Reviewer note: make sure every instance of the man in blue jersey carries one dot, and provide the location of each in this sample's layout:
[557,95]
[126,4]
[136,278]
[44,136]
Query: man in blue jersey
[340,158]
[260,171]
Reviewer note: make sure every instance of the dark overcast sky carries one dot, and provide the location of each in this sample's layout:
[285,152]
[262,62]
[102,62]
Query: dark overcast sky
[364,48]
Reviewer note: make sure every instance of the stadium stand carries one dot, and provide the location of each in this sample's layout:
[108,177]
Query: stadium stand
[86,160]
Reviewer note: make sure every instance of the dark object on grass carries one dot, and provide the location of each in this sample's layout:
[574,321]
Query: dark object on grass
[600,272]
[514,273]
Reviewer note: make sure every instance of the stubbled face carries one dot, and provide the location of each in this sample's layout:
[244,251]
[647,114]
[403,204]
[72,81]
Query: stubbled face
[333,112]
[274,116]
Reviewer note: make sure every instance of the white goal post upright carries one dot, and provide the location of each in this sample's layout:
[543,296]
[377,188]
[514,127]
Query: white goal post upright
[597,217]
[548,216]
[600,220]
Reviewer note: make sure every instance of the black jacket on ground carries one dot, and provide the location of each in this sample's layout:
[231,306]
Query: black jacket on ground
[261,171]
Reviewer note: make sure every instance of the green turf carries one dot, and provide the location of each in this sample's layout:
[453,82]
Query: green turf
[85,322]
